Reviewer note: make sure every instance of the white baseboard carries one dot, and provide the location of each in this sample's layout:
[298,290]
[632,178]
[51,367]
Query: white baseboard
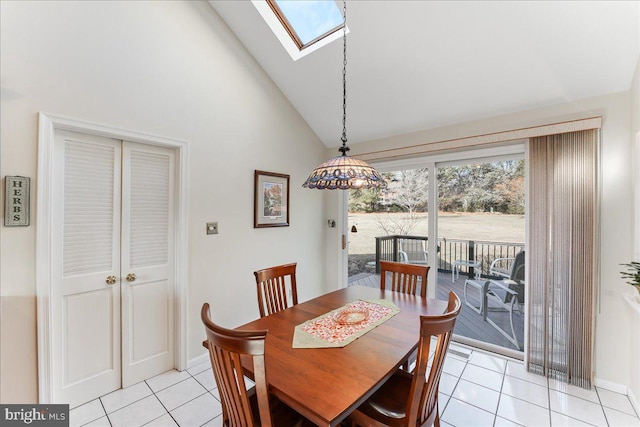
[198,360]
[634,401]
[611,386]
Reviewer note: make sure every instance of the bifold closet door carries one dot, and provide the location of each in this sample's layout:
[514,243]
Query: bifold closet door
[147,261]
[85,267]
[112,265]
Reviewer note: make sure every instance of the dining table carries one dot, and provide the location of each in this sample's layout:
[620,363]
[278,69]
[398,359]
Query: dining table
[326,384]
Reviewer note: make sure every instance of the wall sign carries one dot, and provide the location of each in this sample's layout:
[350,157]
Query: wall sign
[16,201]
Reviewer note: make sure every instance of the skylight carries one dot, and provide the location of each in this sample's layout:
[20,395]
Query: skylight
[307,21]
[302,26]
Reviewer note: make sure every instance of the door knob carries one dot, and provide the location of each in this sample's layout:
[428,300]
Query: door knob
[131,277]
[111,280]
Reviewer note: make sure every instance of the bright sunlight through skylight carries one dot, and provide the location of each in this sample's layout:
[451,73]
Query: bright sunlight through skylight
[311,18]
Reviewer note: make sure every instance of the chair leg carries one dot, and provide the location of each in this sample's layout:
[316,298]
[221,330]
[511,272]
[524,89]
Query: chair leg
[513,339]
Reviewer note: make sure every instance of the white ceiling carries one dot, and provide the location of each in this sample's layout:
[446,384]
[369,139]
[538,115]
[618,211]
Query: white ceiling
[417,65]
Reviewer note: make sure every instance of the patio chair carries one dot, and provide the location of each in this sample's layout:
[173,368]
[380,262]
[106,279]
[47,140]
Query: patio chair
[242,407]
[408,399]
[507,295]
[272,288]
[501,267]
[413,251]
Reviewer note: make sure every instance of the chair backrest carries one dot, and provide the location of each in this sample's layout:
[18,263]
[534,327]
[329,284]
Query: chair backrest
[517,268]
[413,251]
[225,348]
[517,277]
[423,397]
[405,278]
[272,288]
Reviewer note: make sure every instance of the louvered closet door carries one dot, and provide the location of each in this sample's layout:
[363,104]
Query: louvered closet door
[147,261]
[85,268]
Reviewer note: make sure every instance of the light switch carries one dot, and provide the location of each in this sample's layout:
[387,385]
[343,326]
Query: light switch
[212,228]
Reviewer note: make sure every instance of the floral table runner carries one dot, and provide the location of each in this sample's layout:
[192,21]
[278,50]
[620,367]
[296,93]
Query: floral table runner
[325,332]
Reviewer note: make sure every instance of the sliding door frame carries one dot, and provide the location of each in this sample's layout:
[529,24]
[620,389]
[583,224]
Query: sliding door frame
[514,150]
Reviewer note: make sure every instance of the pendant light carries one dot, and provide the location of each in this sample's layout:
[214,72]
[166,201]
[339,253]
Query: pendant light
[344,172]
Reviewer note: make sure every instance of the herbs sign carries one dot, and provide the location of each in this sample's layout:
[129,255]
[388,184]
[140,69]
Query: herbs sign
[16,201]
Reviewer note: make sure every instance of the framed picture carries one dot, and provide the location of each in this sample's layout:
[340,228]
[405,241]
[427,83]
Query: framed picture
[271,200]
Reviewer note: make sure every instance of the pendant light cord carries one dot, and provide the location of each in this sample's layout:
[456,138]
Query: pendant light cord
[344,147]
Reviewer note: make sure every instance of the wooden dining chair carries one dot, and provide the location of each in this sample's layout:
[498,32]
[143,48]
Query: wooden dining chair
[412,399]
[273,284]
[405,278]
[242,407]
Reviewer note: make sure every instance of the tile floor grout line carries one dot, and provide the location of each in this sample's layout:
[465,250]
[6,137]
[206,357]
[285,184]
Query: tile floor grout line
[106,414]
[635,414]
[457,383]
[574,418]
[606,419]
[454,387]
[495,415]
[167,412]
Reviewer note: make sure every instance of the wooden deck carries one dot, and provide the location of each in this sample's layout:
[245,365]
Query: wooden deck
[469,323]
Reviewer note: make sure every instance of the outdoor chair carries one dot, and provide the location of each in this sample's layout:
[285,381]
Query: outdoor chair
[506,295]
[241,407]
[413,251]
[412,399]
[501,267]
[272,288]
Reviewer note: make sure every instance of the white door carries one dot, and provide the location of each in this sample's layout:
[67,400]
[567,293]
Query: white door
[85,267]
[147,261]
[112,216]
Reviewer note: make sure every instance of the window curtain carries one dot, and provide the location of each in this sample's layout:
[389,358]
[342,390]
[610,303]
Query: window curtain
[563,261]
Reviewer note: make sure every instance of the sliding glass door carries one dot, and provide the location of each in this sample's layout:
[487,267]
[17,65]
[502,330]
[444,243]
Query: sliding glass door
[481,230]
[467,224]
[389,224]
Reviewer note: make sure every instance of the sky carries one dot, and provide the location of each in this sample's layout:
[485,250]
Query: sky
[311,18]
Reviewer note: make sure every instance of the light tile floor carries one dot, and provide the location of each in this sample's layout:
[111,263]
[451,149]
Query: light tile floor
[478,390]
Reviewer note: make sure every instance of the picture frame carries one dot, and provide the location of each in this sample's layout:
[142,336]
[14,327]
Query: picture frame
[270,199]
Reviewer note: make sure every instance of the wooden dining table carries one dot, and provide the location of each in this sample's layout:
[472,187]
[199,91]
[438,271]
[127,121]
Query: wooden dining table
[327,384]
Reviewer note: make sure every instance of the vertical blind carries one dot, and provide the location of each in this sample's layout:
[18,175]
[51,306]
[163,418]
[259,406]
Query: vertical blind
[563,261]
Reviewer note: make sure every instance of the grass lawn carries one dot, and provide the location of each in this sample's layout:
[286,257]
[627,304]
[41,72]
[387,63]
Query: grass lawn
[492,227]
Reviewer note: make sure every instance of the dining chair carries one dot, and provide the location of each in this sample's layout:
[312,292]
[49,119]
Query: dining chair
[273,288]
[405,278]
[241,407]
[412,399]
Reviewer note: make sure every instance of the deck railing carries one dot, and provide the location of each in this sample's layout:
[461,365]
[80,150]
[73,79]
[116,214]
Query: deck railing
[450,250]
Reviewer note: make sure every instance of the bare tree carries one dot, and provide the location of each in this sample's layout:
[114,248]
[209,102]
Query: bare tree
[410,191]
[397,225]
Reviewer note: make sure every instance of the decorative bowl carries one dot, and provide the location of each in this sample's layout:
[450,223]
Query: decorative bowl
[351,316]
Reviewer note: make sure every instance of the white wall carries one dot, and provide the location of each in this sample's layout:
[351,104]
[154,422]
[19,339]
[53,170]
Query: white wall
[634,381]
[612,352]
[635,159]
[172,69]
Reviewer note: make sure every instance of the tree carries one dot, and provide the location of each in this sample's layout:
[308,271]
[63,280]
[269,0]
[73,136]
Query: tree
[410,190]
[364,200]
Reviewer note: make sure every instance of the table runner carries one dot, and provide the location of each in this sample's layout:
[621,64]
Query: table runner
[325,332]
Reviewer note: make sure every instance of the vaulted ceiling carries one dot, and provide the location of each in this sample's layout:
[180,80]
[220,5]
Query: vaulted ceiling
[417,65]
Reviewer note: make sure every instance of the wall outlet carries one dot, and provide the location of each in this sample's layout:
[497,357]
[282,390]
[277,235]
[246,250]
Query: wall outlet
[212,228]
